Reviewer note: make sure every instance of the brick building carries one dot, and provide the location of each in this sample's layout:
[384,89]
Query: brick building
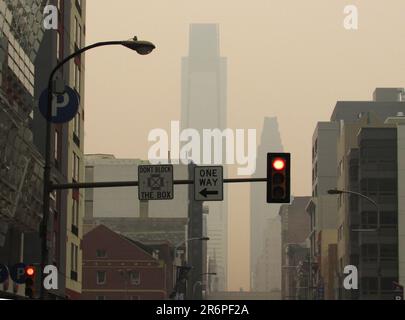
[117,268]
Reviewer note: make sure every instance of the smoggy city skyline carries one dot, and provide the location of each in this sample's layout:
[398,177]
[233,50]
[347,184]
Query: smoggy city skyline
[286,59]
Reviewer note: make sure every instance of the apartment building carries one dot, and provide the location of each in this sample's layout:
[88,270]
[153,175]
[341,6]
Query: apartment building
[20,162]
[322,208]
[67,212]
[369,158]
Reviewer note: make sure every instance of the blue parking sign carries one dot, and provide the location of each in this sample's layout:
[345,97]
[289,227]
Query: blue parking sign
[64,106]
[17,273]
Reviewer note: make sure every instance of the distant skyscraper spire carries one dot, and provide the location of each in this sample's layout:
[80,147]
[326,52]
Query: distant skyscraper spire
[204,107]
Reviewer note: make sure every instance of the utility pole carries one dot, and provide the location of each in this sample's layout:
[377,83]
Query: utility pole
[195,230]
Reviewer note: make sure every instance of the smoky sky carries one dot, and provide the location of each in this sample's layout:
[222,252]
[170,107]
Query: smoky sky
[289,59]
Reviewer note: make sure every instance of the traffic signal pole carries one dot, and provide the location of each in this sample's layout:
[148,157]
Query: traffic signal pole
[120,184]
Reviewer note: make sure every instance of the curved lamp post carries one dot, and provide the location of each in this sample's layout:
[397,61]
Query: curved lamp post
[177,246]
[339,192]
[142,48]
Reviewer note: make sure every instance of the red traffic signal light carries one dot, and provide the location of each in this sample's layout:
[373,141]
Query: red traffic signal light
[278,177]
[30,271]
[30,281]
[278,164]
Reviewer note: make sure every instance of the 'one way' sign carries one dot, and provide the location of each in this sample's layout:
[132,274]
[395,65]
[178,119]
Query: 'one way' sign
[209,183]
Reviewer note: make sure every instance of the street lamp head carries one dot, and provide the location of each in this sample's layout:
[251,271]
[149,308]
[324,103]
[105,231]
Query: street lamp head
[334,192]
[141,47]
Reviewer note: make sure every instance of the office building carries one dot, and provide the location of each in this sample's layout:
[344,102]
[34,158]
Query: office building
[369,160]
[204,106]
[295,226]
[322,208]
[21,164]
[67,211]
[261,212]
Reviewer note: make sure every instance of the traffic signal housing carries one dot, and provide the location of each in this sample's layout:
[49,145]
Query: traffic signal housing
[278,178]
[30,274]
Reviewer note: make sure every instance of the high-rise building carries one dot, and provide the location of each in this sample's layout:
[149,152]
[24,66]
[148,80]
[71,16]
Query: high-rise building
[322,208]
[260,211]
[20,163]
[66,220]
[204,93]
[369,160]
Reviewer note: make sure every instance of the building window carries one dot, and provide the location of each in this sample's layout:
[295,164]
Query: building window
[369,285]
[135,277]
[76,167]
[101,253]
[75,217]
[78,34]
[76,125]
[369,219]
[101,277]
[389,252]
[56,146]
[340,233]
[76,77]
[76,129]
[73,261]
[369,252]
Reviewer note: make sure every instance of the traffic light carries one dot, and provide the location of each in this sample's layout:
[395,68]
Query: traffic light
[30,273]
[278,177]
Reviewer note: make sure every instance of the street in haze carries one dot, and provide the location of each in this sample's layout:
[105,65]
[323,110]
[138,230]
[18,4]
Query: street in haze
[209,151]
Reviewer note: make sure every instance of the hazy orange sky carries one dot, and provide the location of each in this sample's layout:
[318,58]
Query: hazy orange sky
[290,59]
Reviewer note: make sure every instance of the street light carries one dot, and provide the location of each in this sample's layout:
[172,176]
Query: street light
[142,48]
[189,240]
[340,192]
[176,248]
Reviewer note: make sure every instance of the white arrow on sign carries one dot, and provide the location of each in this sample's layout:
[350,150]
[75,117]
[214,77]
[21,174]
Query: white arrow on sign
[209,183]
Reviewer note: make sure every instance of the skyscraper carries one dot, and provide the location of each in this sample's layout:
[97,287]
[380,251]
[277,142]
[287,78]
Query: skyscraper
[20,162]
[260,211]
[204,103]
